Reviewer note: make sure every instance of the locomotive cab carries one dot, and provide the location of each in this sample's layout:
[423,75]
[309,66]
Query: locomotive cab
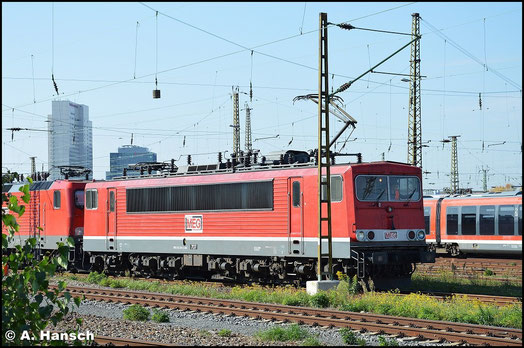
[388,234]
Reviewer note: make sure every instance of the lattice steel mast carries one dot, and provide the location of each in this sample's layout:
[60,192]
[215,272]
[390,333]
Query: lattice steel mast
[236,124]
[485,180]
[324,186]
[33,165]
[414,120]
[248,143]
[454,175]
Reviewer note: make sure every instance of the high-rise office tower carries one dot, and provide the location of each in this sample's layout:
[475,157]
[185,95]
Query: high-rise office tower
[128,154]
[70,138]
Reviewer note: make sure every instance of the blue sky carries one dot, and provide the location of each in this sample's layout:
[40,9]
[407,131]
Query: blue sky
[100,59]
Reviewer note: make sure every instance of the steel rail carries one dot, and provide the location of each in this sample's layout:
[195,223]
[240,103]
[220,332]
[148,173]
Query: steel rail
[365,322]
[119,341]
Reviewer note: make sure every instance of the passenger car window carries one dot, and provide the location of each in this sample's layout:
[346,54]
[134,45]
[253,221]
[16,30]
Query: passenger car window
[427,218]
[452,220]
[469,220]
[520,220]
[506,220]
[487,220]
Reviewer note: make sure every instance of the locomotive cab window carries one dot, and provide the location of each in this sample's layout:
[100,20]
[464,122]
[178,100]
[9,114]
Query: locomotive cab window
[296,194]
[79,199]
[91,199]
[506,220]
[404,188]
[452,220]
[56,199]
[336,188]
[371,187]
[393,188]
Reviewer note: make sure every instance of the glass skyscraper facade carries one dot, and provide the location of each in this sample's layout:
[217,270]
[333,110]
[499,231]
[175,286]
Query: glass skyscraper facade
[70,138]
[128,154]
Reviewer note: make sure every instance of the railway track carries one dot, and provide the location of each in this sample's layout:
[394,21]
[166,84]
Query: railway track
[119,341]
[493,269]
[399,327]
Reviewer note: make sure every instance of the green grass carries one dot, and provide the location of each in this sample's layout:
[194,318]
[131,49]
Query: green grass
[160,316]
[224,333]
[457,309]
[347,297]
[311,342]
[350,338]
[282,334]
[320,300]
[384,342]
[137,313]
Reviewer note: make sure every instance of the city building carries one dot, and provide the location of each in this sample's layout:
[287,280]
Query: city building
[128,154]
[70,139]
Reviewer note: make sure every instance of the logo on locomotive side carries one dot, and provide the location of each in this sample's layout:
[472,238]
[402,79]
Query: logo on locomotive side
[194,223]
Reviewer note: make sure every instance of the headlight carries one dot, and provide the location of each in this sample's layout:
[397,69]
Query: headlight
[360,235]
[421,234]
[411,235]
[371,235]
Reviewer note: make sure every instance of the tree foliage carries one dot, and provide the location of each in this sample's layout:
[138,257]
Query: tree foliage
[27,302]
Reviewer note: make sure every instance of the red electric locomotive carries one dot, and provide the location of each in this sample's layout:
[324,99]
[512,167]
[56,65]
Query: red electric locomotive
[475,224]
[57,207]
[257,223]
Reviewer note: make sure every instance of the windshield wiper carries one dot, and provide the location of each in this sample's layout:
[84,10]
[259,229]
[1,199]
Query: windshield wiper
[410,195]
[380,195]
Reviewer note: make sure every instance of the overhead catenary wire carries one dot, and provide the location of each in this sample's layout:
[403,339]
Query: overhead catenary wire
[136,48]
[33,73]
[461,49]
[348,26]
[52,48]
[303,16]
[390,86]
[251,80]
[156,56]
[229,54]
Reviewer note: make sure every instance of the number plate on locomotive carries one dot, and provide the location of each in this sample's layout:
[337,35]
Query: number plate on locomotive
[390,235]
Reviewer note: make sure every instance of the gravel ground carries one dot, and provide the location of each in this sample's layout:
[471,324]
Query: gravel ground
[191,328]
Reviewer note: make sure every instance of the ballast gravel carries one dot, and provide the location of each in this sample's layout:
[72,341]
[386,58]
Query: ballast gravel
[200,329]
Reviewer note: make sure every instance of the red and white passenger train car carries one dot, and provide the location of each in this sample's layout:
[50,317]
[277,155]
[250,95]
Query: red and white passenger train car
[475,224]
[258,223]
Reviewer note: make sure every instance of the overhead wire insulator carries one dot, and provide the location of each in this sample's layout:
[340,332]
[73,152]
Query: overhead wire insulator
[250,80]
[480,101]
[346,26]
[54,83]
